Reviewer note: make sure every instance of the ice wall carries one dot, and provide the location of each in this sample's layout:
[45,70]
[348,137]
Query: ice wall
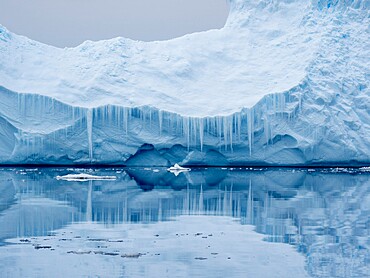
[42,125]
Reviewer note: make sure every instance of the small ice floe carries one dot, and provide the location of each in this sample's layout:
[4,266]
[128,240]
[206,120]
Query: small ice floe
[340,170]
[177,169]
[79,252]
[365,169]
[132,256]
[84,177]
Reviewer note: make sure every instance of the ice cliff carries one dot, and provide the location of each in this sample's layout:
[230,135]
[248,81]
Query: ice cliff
[284,83]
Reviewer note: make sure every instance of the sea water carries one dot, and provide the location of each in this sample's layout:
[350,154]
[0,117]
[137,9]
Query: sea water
[209,222]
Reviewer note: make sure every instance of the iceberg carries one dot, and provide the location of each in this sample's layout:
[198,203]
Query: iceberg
[284,82]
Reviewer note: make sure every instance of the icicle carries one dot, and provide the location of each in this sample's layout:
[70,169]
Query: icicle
[194,131]
[226,131]
[144,113]
[109,114]
[106,114]
[201,133]
[125,119]
[210,126]
[89,124]
[266,129]
[171,122]
[19,102]
[219,132]
[283,103]
[179,128]
[186,124]
[207,126]
[225,126]
[231,133]
[250,130]
[233,120]
[160,119]
[150,117]
[239,125]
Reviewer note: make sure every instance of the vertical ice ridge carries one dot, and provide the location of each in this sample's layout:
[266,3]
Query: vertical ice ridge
[89,126]
[250,128]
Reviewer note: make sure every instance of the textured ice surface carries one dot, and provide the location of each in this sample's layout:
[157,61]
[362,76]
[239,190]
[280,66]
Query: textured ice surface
[284,82]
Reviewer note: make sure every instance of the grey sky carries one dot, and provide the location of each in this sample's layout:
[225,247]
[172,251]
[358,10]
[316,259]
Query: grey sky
[70,22]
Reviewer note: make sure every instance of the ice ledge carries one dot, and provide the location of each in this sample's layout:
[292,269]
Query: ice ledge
[273,132]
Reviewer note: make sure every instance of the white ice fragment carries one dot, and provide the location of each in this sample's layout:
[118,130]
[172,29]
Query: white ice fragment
[365,169]
[84,177]
[177,169]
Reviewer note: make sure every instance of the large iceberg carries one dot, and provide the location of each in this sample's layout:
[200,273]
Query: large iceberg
[285,82]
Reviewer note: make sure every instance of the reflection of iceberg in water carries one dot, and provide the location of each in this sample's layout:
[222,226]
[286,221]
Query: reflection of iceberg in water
[326,216]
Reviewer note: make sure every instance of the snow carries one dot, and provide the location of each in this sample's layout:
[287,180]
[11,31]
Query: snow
[188,75]
[284,82]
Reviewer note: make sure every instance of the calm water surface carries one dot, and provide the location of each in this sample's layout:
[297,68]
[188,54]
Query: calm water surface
[204,223]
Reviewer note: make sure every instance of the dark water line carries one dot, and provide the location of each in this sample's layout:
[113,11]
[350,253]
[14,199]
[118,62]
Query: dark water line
[252,166]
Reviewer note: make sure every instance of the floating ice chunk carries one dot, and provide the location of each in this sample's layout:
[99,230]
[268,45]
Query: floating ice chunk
[177,169]
[84,177]
[365,169]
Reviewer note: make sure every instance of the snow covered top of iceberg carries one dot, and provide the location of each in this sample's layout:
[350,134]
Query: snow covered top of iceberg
[265,47]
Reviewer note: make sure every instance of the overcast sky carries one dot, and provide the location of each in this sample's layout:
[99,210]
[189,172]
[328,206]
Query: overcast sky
[70,22]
